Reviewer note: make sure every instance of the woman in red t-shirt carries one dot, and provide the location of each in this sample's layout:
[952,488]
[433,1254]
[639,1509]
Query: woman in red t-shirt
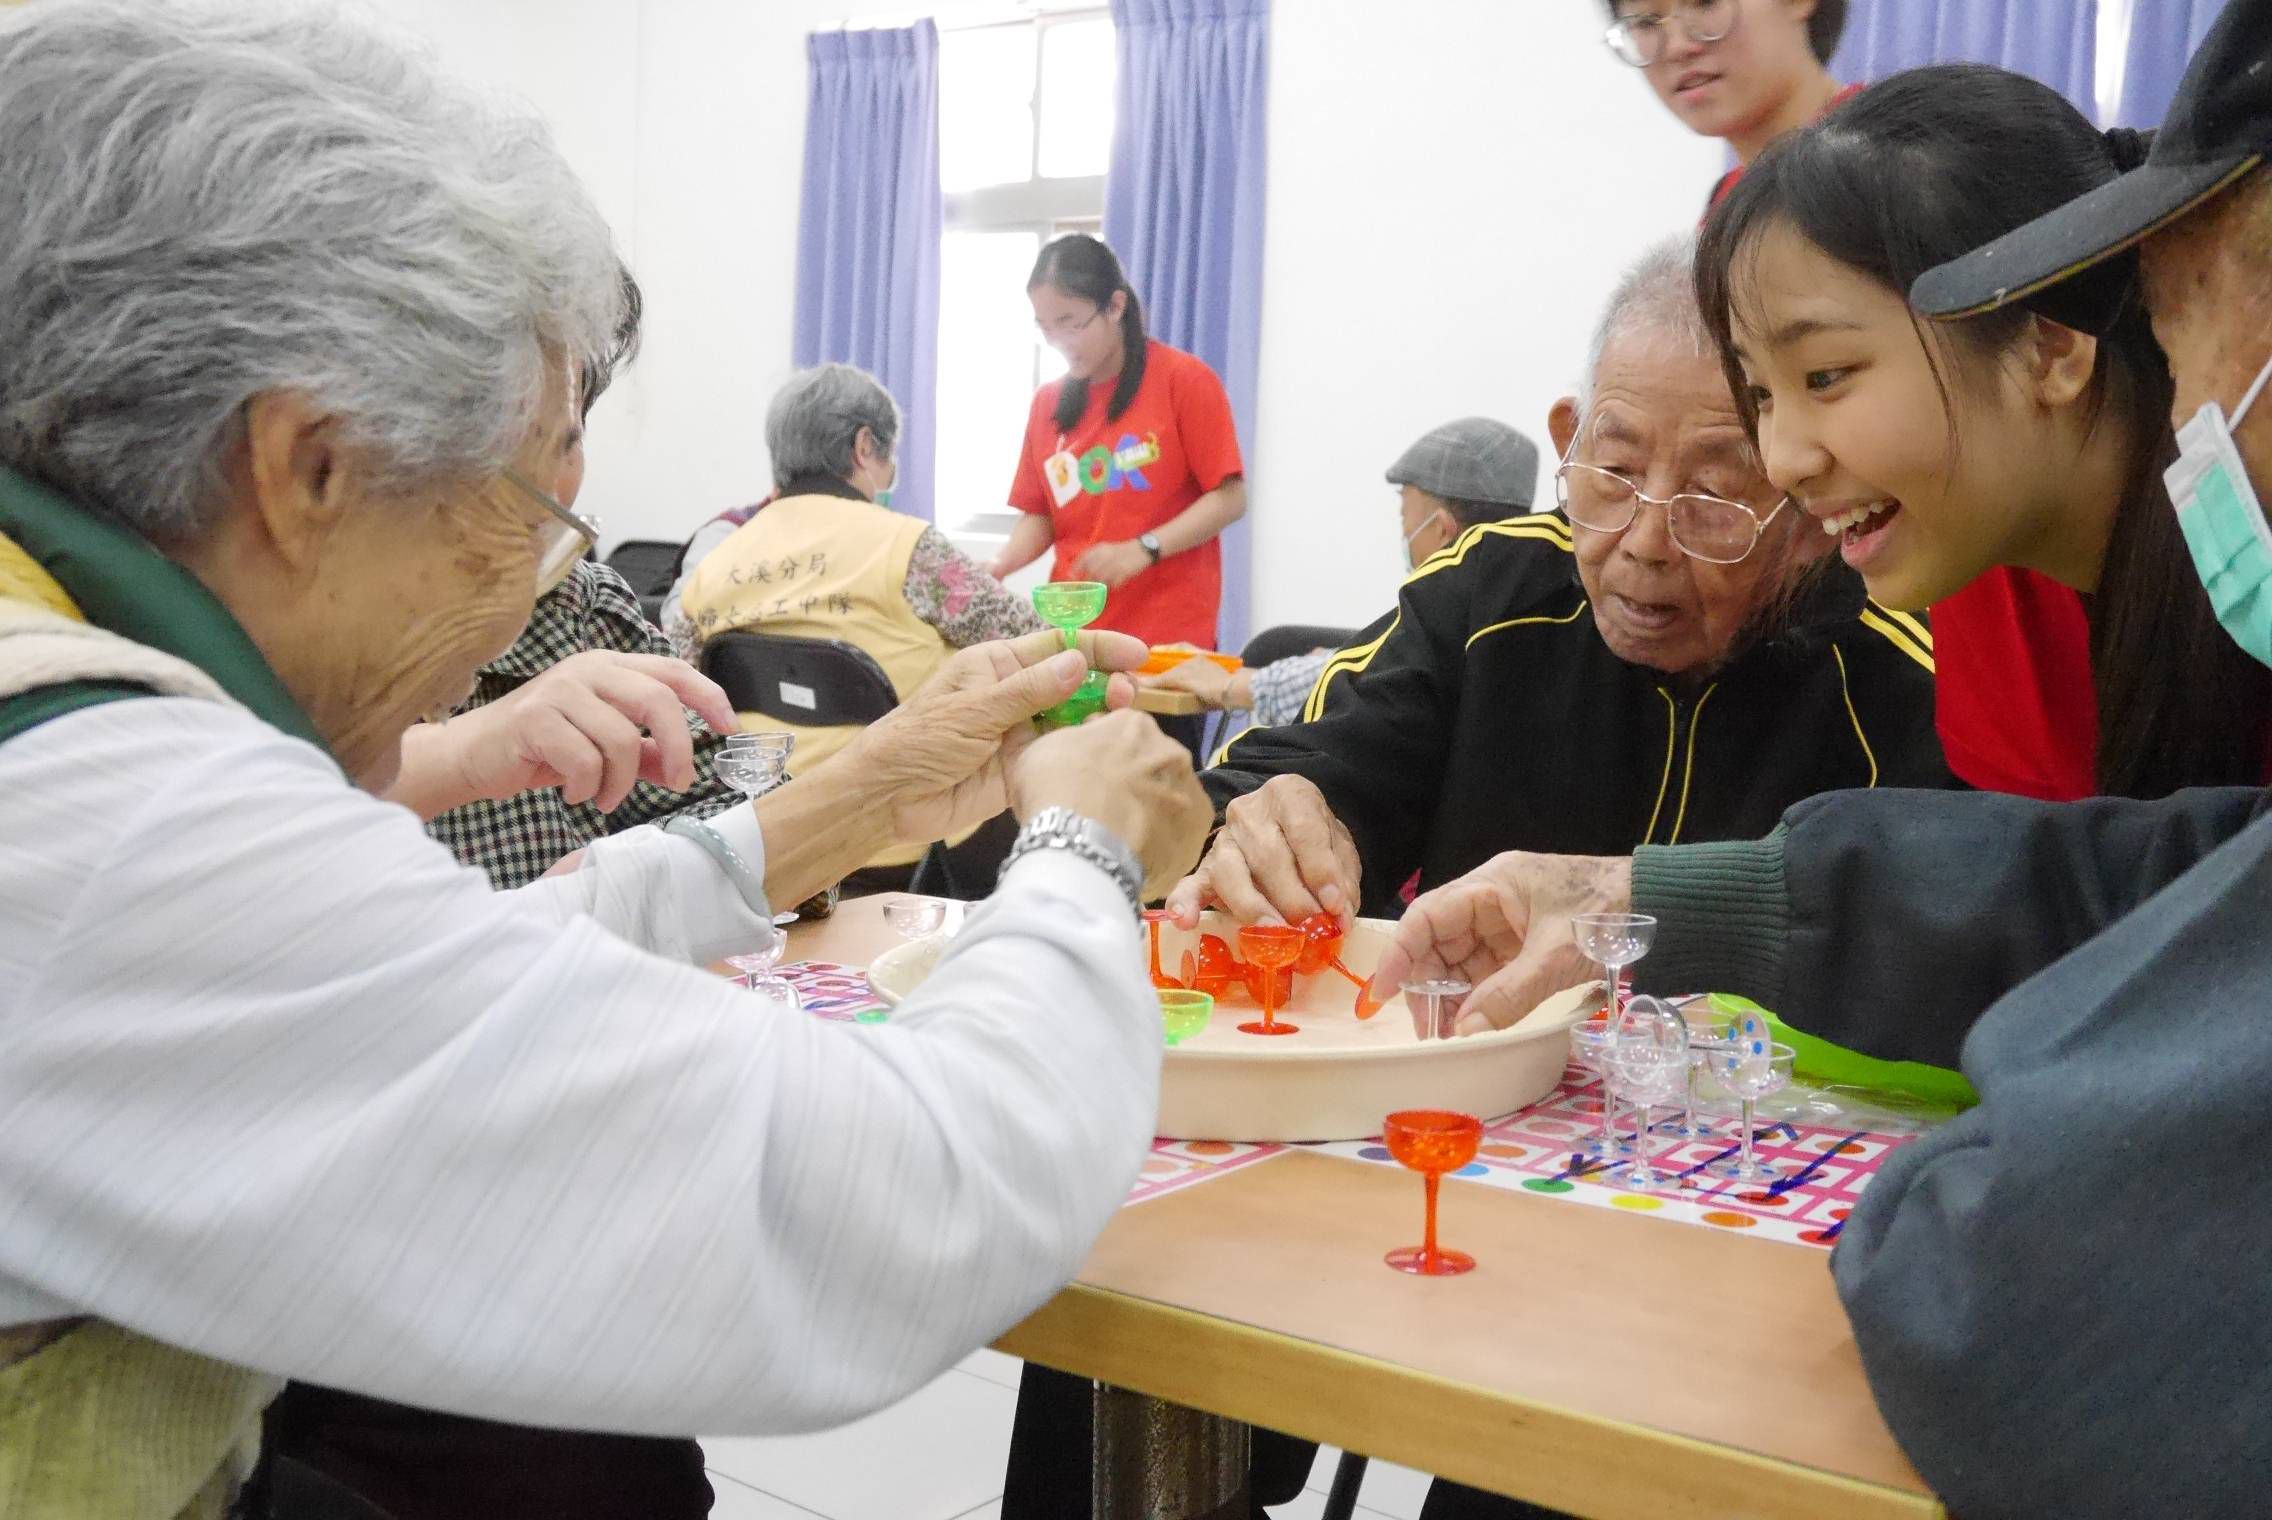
[1131,462]
[2031,436]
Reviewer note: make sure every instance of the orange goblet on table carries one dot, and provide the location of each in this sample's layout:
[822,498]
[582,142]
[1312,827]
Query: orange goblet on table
[1431,1142]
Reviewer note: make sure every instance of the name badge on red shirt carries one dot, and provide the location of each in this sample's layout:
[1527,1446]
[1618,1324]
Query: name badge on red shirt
[1064,474]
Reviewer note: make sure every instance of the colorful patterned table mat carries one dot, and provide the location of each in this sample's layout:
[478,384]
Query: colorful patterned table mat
[1546,1150]
[1549,1150]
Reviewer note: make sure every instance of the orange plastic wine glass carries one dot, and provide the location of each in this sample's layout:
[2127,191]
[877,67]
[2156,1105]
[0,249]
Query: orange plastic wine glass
[1153,918]
[1270,946]
[1432,1142]
[1211,968]
[1321,951]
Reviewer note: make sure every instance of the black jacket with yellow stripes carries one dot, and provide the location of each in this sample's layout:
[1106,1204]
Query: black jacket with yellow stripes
[1486,714]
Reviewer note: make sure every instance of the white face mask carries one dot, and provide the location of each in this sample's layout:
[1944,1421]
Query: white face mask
[2223,523]
[1411,564]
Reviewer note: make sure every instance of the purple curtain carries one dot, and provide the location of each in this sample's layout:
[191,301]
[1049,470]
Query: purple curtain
[2055,41]
[2163,37]
[868,232]
[1183,203]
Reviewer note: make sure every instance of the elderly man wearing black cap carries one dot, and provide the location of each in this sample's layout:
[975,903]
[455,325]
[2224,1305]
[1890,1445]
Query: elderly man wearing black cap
[2060,1297]
[1666,658]
[1475,470]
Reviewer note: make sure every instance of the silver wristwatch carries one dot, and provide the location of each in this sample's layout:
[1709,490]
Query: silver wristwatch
[1060,828]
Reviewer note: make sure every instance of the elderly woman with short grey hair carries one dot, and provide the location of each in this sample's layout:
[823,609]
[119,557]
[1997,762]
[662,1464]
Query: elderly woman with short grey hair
[287,330]
[828,558]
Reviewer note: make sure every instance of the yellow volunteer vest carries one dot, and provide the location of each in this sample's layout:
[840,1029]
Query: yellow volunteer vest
[821,567]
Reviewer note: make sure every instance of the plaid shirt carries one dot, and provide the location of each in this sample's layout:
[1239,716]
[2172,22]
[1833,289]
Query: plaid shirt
[518,840]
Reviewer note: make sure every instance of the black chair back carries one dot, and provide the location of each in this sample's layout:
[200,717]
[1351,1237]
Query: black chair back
[815,683]
[1289,639]
[650,565]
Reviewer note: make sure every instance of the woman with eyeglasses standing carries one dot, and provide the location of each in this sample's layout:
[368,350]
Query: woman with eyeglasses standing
[1130,466]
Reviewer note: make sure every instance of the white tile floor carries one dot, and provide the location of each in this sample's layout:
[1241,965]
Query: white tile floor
[938,1455]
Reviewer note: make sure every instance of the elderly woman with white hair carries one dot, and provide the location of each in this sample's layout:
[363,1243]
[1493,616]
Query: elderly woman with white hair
[287,326]
[827,558]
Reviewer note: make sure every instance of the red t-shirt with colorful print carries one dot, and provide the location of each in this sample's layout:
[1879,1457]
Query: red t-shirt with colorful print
[1174,444]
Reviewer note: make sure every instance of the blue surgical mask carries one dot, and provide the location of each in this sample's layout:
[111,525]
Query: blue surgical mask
[2223,524]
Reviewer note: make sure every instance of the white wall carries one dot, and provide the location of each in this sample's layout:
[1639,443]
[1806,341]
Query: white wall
[1454,185]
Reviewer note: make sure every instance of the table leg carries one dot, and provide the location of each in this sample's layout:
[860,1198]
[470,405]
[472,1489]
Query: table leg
[1159,1461]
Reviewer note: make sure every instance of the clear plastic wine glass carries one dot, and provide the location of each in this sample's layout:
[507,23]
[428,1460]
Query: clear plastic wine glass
[759,962]
[754,764]
[1613,941]
[1647,1063]
[1751,1069]
[1434,1005]
[1589,1046]
[1709,1032]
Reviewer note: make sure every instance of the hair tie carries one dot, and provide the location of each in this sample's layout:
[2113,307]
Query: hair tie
[2128,147]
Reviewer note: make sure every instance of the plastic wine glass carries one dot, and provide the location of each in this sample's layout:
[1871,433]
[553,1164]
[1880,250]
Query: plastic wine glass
[912,918]
[754,764]
[1183,1013]
[1647,1060]
[1751,1069]
[1709,1033]
[1613,941]
[1270,946]
[1431,1142]
[1589,1043]
[1211,968]
[1321,951]
[1069,606]
[1153,918]
[1434,1004]
[758,965]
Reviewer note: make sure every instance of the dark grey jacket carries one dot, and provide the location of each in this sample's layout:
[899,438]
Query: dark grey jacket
[2063,1299]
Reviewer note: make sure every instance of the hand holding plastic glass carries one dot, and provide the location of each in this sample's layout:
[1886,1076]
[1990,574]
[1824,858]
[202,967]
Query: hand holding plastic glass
[754,764]
[1183,1013]
[1709,528]
[1647,1062]
[1434,1004]
[1431,1142]
[1751,1070]
[1269,947]
[1321,951]
[1069,606]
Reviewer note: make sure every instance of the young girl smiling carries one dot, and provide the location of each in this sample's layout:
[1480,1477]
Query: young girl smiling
[2033,437]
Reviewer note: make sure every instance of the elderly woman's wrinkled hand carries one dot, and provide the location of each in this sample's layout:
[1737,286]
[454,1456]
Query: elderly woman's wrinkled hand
[1504,928]
[1120,770]
[944,755]
[594,725]
[1281,855]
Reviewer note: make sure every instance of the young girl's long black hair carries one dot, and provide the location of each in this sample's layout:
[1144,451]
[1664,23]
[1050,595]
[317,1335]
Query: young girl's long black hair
[1929,165]
[1084,267]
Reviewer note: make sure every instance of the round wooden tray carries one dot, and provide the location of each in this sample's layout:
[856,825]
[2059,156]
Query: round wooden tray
[1339,1076]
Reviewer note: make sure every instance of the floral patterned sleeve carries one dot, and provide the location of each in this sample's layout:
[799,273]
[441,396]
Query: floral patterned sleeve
[954,594]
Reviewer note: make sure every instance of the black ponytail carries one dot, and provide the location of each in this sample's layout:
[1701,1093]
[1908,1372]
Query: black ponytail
[1083,267]
[1927,166]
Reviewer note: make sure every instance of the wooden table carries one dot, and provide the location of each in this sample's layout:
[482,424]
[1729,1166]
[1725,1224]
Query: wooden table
[1602,1363]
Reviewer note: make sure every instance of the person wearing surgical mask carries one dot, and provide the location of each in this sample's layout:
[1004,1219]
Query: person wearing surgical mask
[2055,1295]
[1475,470]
